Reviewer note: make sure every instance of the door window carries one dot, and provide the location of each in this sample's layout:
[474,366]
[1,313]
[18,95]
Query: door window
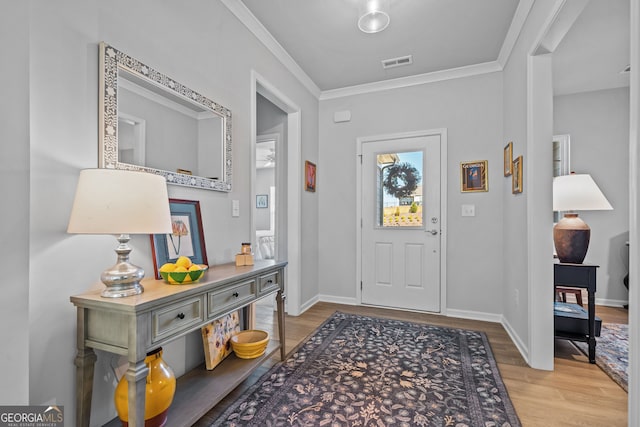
[399,201]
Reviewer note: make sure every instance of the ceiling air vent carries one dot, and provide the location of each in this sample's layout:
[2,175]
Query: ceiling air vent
[397,62]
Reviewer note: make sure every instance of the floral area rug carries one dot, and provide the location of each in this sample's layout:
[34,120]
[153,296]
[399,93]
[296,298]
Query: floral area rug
[612,352]
[366,371]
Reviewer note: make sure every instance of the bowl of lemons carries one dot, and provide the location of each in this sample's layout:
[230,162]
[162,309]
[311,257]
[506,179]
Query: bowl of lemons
[182,271]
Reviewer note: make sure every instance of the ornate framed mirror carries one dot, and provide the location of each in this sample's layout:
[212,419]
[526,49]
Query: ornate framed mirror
[149,122]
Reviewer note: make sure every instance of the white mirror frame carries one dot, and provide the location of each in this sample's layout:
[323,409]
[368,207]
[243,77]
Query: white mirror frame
[111,60]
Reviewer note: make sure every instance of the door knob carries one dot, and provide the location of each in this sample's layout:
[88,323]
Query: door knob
[433,232]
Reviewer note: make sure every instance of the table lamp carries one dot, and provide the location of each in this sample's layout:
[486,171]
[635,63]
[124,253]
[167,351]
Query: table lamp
[120,202]
[575,192]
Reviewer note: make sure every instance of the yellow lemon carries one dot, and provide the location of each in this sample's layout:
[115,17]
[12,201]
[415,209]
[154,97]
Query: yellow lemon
[180,269]
[183,261]
[168,267]
[195,267]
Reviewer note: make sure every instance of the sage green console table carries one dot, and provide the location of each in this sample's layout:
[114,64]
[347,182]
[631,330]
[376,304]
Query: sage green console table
[135,325]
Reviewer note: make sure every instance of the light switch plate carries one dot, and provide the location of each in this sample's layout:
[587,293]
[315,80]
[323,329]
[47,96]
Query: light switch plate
[235,208]
[468,210]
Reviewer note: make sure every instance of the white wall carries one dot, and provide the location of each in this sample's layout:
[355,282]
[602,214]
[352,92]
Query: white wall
[528,277]
[598,123]
[14,218]
[470,110]
[199,43]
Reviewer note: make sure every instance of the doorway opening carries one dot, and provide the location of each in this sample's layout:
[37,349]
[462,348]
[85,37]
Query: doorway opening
[276,118]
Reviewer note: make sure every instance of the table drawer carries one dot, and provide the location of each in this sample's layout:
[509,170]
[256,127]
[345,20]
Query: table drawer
[176,318]
[234,296]
[268,282]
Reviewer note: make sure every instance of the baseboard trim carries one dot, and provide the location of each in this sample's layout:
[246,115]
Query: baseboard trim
[515,338]
[337,300]
[307,305]
[611,302]
[474,315]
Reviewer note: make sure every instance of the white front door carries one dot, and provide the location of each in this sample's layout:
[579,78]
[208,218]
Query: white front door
[401,222]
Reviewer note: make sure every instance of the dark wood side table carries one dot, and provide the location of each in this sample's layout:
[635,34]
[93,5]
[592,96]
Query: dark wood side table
[579,276]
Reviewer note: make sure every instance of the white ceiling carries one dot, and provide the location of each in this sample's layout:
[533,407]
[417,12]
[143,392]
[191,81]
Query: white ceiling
[595,50]
[320,39]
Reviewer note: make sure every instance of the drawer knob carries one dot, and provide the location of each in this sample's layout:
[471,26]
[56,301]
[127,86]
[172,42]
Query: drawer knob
[180,316]
[235,294]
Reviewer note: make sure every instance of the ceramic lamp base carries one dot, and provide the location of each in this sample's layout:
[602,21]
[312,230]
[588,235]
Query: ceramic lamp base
[571,237]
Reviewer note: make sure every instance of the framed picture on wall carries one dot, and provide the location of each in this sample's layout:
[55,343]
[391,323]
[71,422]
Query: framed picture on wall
[508,159]
[473,176]
[309,176]
[516,178]
[186,239]
[262,201]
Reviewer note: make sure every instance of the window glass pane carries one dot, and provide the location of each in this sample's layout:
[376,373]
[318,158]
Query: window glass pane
[399,189]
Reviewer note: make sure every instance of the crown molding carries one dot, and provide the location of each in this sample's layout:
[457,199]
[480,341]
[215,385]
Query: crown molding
[251,22]
[245,16]
[436,76]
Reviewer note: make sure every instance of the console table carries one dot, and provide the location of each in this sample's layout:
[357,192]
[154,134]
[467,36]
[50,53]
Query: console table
[133,326]
[581,276]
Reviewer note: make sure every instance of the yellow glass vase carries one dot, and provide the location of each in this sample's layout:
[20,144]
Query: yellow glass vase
[161,386]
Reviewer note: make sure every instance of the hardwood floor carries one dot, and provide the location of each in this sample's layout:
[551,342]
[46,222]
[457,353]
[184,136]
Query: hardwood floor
[576,393]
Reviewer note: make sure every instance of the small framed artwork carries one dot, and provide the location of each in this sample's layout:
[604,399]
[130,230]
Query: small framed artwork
[187,238]
[262,201]
[516,178]
[473,176]
[309,176]
[508,159]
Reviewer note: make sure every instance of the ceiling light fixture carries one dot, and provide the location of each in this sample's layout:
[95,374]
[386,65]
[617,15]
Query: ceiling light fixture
[374,16]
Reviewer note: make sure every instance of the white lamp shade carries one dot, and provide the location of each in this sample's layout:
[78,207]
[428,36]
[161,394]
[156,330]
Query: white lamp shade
[578,192]
[111,201]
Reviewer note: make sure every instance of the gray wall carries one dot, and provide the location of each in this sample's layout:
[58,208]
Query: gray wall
[598,123]
[14,217]
[471,111]
[54,55]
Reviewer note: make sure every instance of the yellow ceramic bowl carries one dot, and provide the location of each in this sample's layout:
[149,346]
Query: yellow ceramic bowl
[250,344]
[183,277]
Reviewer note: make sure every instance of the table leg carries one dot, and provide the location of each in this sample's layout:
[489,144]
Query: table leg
[85,362]
[281,334]
[136,376]
[592,327]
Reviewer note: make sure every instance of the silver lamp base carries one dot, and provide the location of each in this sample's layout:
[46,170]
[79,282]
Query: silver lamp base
[122,279]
